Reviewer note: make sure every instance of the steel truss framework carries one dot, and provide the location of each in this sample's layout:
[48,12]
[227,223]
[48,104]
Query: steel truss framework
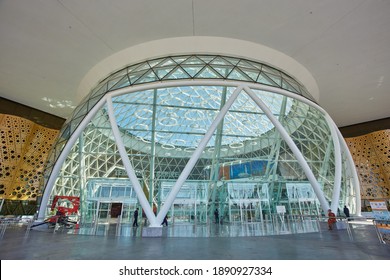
[239,132]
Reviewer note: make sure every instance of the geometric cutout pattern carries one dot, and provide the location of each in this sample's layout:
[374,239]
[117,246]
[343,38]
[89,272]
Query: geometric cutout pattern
[371,154]
[25,146]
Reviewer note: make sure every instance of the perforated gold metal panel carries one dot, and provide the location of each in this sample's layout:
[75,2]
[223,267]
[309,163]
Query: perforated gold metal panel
[24,149]
[371,154]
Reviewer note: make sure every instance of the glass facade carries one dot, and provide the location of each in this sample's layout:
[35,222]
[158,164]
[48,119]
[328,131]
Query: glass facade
[186,135]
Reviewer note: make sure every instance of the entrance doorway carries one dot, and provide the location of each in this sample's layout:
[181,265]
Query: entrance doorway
[116,210]
[108,212]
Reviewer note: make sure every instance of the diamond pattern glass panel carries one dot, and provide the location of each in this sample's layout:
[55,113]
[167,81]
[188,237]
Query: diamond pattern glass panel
[246,168]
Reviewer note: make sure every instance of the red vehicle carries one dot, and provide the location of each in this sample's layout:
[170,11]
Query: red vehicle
[62,208]
[68,205]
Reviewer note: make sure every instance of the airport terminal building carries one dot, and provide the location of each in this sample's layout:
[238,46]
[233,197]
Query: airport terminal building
[186,135]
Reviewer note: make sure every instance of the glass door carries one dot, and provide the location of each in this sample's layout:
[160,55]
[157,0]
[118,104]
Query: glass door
[103,212]
[102,215]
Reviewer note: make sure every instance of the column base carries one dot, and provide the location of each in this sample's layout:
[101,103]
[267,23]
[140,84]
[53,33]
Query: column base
[153,232]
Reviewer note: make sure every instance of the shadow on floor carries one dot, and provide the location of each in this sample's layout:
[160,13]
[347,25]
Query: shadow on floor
[19,244]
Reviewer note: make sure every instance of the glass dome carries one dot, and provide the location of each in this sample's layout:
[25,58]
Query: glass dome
[189,134]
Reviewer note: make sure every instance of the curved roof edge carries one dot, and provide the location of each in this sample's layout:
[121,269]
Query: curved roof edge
[195,45]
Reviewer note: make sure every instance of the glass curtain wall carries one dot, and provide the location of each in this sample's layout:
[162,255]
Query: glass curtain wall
[246,169]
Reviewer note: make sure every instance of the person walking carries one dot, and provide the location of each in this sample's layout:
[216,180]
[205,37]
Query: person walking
[135,223]
[331,219]
[216,215]
[346,212]
[165,221]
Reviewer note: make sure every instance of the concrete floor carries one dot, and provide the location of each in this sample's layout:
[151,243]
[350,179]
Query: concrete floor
[19,244]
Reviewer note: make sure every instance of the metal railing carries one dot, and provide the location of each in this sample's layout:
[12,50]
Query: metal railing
[353,228]
[382,228]
[14,222]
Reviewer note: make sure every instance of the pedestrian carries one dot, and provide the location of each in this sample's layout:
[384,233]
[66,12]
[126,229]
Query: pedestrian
[135,223]
[331,219]
[165,221]
[216,215]
[346,211]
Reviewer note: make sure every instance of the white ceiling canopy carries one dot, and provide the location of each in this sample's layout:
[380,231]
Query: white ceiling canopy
[47,48]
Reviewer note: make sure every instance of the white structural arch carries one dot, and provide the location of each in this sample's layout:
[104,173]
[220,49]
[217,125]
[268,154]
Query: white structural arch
[194,125]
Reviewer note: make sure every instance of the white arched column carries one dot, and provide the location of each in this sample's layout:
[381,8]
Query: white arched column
[301,160]
[64,153]
[195,156]
[91,114]
[338,171]
[129,168]
[350,167]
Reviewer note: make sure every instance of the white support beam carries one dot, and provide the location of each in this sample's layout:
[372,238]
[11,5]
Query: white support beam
[351,169]
[64,154]
[338,165]
[301,160]
[129,168]
[69,144]
[196,155]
